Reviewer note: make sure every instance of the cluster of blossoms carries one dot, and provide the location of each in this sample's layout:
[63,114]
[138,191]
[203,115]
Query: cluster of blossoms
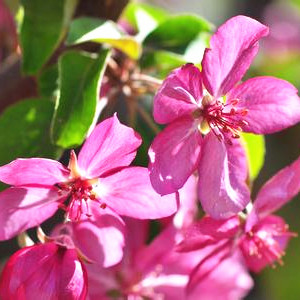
[97,254]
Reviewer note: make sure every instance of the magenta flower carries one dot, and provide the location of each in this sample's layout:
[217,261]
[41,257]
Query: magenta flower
[44,271]
[260,237]
[206,111]
[156,271]
[93,191]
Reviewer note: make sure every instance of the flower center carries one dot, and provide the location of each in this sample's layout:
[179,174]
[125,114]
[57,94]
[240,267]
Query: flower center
[225,120]
[267,243]
[80,192]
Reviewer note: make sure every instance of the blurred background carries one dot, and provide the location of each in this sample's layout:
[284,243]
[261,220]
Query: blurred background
[279,56]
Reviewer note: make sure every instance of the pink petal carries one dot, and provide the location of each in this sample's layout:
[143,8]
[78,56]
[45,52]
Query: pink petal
[100,237]
[272,104]
[130,193]
[278,190]
[222,174]
[232,49]
[208,231]
[44,271]
[209,263]
[188,209]
[111,145]
[33,171]
[25,207]
[230,280]
[174,155]
[179,94]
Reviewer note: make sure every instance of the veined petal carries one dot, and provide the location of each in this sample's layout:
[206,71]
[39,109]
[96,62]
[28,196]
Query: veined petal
[179,94]
[232,49]
[272,104]
[174,155]
[209,263]
[40,171]
[111,145]
[208,231]
[230,280]
[130,193]
[278,190]
[24,207]
[222,187]
[100,237]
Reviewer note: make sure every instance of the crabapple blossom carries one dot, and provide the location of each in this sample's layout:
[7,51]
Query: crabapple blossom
[206,110]
[93,191]
[260,236]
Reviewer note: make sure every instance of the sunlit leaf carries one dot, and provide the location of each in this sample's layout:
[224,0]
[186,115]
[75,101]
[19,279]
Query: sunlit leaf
[95,30]
[255,148]
[25,130]
[80,77]
[176,32]
[48,82]
[144,17]
[42,28]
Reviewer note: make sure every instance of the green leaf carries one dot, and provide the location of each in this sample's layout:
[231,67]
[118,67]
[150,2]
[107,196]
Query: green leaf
[42,28]
[255,149]
[25,130]
[144,17]
[95,30]
[80,76]
[176,32]
[48,82]
[162,62]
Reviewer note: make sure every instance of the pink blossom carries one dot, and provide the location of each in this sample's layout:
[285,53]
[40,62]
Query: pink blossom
[44,271]
[206,111]
[93,191]
[157,271]
[259,236]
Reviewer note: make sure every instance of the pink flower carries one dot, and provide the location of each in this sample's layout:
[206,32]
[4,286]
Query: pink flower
[206,111]
[93,191]
[44,271]
[157,271]
[260,236]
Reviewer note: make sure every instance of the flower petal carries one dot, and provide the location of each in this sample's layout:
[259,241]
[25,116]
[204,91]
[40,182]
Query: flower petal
[218,253]
[230,280]
[40,171]
[272,104]
[179,94]
[278,190]
[100,237]
[232,49]
[208,231]
[130,193]
[174,155]
[222,174]
[111,145]
[25,207]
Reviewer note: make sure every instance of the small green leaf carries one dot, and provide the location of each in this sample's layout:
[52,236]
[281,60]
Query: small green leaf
[144,17]
[255,149]
[80,76]
[162,62]
[176,32]
[42,28]
[25,130]
[99,31]
[48,82]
